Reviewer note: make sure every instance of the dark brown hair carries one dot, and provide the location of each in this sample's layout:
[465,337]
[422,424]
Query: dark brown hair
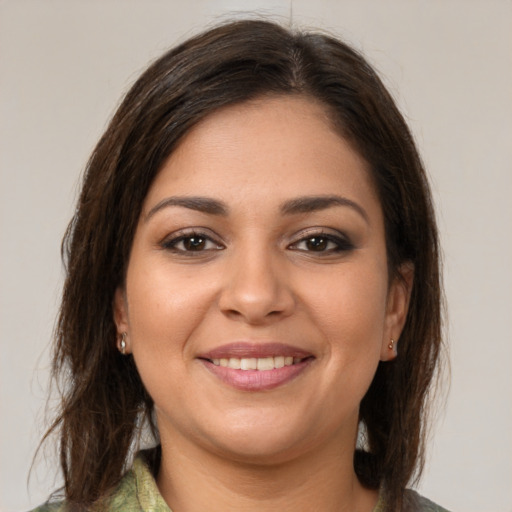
[104,399]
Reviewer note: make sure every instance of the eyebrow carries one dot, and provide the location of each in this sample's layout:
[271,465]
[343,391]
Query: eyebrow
[200,204]
[309,204]
[306,204]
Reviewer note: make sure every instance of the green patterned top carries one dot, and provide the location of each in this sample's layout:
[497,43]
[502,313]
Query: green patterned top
[138,492]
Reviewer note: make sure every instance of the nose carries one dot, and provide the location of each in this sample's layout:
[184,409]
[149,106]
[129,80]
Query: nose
[256,289]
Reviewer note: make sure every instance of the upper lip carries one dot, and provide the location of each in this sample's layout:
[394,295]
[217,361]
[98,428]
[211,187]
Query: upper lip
[254,350]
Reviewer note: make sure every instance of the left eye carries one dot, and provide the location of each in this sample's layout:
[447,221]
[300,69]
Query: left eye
[322,243]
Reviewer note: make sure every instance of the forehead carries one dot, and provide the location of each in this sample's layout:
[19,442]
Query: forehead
[273,147]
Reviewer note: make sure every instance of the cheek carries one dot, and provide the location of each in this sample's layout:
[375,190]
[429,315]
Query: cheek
[349,310]
[160,320]
[164,303]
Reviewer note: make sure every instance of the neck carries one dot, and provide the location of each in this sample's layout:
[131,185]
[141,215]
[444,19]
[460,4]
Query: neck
[191,479]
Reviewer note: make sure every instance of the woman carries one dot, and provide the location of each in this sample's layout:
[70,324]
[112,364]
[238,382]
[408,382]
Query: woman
[252,271]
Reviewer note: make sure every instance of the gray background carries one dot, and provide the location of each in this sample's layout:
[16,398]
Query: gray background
[63,67]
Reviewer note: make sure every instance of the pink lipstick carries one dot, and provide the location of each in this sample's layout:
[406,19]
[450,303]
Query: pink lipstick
[256,367]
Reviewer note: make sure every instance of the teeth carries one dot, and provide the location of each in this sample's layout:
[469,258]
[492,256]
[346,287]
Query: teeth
[278,361]
[265,363]
[253,363]
[248,364]
[234,362]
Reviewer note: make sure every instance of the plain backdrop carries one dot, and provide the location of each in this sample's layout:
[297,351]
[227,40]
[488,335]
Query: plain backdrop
[64,65]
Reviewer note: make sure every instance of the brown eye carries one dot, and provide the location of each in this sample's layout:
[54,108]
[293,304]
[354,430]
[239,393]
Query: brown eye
[317,243]
[191,243]
[194,243]
[323,244]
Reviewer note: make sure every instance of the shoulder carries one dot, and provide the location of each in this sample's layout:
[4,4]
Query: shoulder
[136,492]
[56,506]
[124,497]
[413,502]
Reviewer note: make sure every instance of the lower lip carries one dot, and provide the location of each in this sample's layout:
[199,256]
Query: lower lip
[257,380]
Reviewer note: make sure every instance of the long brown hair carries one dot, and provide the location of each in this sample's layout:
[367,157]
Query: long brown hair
[104,399]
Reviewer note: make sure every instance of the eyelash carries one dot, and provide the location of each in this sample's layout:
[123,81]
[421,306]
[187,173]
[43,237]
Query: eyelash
[340,243]
[328,243]
[171,244]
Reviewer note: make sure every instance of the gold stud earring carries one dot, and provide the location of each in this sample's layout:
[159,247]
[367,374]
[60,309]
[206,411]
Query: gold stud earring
[391,344]
[122,343]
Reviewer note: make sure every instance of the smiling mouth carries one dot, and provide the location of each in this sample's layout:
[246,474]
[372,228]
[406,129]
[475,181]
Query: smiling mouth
[256,363]
[256,367]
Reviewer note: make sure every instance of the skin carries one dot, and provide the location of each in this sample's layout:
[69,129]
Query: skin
[316,280]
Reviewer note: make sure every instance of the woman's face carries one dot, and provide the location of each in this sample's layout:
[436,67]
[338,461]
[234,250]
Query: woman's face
[257,301]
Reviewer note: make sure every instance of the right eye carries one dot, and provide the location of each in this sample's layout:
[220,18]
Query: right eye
[191,243]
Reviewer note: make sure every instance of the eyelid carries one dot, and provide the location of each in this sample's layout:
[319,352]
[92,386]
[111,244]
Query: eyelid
[170,241]
[342,240]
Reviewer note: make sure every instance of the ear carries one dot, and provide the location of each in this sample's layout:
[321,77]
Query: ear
[120,308]
[399,295]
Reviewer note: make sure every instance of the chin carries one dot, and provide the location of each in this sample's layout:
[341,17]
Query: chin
[259,452]
[260,442]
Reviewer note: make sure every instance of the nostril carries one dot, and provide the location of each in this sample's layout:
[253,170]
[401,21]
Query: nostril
[256,295]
